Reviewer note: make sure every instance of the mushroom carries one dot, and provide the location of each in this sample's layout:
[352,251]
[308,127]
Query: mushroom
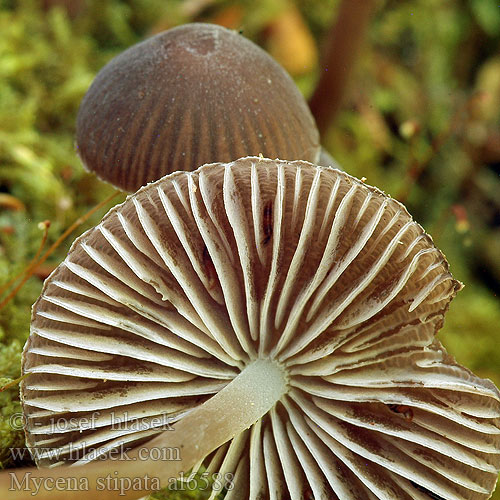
[194,94]
[280,317]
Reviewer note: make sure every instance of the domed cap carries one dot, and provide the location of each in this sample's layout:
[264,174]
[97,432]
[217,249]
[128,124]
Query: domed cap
[195,94]
[218,284]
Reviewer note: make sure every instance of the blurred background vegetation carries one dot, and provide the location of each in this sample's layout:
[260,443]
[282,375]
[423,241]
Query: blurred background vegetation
[420,119]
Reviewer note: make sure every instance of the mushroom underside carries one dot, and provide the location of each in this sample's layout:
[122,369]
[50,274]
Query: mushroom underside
[302,271]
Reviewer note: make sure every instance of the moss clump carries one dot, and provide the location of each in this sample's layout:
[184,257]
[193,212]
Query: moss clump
[12,451]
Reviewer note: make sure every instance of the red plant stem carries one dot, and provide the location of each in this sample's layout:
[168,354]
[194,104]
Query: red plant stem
[416,168]
[45,227]
[36,263]
[344,40]
[14,382]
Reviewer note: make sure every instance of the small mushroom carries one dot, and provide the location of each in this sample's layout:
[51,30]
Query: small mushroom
[281,318]
[194,94]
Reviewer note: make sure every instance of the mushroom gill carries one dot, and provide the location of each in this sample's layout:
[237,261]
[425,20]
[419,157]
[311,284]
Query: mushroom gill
[281,318]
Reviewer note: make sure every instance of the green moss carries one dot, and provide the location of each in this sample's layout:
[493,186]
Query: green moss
[414,67]
[471,330]
[11,428]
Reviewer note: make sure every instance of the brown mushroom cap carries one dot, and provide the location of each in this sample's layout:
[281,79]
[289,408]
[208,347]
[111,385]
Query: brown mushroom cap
[194,94]
[301,271]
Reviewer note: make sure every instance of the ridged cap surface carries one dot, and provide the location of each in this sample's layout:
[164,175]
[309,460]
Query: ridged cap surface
[195,94]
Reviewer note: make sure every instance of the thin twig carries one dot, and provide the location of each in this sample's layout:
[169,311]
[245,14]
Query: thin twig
[45,225]
[14,382]
[415,168]
[34,265]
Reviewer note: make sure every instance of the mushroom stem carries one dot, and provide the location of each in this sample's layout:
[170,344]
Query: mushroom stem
[235,408]
[240,404]
[345,39]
